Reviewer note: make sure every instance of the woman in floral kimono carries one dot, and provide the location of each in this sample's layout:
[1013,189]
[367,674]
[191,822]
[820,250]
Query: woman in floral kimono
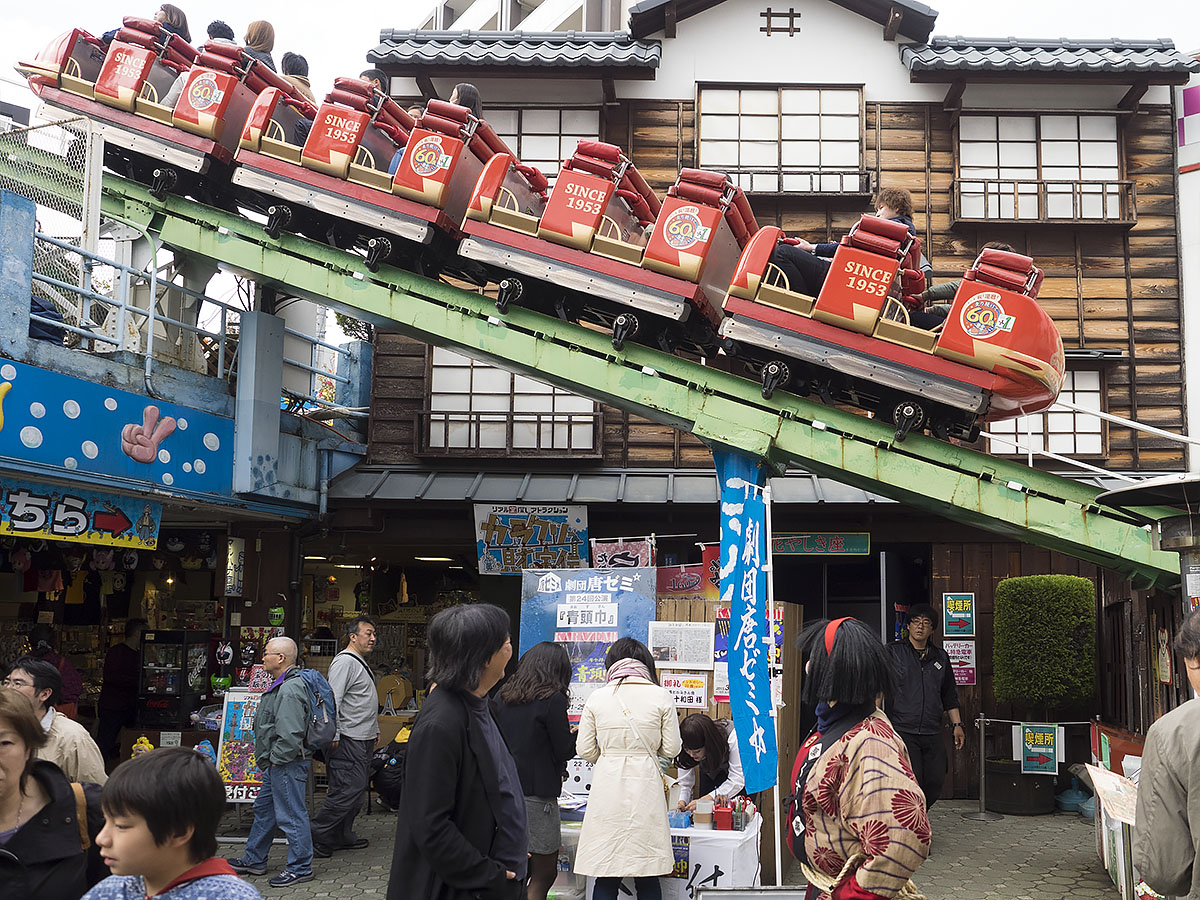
[858,821]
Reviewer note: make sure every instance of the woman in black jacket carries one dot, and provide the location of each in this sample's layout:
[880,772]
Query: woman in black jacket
[42,847]
[532,714]
[460,831]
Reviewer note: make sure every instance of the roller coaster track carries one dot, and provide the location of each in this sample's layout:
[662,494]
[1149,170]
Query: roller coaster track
[999,495]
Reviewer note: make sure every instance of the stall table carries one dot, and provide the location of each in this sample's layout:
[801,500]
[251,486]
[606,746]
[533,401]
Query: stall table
[703,858]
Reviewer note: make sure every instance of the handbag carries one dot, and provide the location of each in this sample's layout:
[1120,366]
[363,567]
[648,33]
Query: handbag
[826,883]
[667,782]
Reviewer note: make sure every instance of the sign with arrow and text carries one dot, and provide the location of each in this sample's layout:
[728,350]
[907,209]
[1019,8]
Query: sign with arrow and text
[958,615]
[33,510]
[1039,749]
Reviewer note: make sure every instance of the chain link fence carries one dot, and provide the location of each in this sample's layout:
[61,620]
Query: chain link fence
[58,166]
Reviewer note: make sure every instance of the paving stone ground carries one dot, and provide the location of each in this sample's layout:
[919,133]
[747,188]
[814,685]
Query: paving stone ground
[1017,858]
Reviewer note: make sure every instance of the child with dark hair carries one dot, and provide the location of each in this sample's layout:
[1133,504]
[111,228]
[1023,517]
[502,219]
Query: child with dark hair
[219,31]
[710,766]
[161,812]
[858,822]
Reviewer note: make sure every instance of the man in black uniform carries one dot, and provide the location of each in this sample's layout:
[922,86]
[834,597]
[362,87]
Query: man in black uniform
[925,688]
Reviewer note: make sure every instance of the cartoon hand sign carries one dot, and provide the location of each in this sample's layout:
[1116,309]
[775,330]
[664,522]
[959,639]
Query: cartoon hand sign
[140,442]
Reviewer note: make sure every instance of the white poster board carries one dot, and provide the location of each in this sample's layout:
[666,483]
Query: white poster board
[689,689]
[682,645]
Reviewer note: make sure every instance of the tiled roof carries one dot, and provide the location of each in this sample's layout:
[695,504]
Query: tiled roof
[534,50]
[916,21]
[1062,57]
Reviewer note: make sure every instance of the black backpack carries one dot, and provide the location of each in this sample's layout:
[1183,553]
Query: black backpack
[388,768]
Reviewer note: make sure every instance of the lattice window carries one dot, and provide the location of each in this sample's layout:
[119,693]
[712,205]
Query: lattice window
[776,21]
[1039,167]
[477,406]
[1058,429]
[544,137]
[802,139]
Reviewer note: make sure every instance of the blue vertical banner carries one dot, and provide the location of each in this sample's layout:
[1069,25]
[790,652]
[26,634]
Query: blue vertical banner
[744,591]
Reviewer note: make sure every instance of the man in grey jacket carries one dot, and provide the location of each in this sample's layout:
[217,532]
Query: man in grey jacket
[348,759]
[280,725]
[1166,849]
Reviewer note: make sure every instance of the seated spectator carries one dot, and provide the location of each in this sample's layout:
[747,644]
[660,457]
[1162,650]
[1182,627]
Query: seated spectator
[463,95]
[169,16]
[68,745]
[219,31]
[40,331]
[295,70]
[378,80]
[937,300]
[161,813]
[806,264]
[260,41]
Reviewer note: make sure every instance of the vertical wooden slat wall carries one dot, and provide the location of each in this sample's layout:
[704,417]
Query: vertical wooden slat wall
[978,568]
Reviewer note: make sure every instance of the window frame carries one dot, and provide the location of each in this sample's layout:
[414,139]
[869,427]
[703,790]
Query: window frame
[865,175]
[1004,449]
[1125,194]
[521,110]
[508,417]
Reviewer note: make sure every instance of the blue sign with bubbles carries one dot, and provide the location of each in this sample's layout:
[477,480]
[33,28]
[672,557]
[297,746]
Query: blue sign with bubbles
[67,423]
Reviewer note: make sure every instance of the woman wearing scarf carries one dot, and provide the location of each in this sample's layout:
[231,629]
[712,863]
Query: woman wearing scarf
[625,728]
[857,820]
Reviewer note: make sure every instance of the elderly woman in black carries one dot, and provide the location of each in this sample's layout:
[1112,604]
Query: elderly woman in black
[460,832]
[532,712]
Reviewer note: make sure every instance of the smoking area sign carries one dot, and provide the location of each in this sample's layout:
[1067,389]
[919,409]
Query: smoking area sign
[958,615]
[1039,749]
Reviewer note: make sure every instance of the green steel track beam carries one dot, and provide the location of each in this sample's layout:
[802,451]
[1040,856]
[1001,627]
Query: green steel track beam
[998,495]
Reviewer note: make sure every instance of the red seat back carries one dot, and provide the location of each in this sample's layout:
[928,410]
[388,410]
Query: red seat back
[1011,271]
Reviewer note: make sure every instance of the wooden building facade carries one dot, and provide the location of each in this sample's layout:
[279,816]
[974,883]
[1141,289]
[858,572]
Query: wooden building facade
[1064,150]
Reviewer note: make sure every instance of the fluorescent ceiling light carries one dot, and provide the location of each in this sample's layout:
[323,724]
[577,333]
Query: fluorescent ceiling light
[315,557]
[433,559]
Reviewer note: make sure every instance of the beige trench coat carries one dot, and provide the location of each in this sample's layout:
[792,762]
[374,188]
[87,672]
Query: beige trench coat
[625,830]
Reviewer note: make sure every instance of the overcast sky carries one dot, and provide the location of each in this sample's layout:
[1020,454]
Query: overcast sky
[337,44]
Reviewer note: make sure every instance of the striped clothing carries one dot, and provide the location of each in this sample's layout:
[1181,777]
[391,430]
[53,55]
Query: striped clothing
[862,797]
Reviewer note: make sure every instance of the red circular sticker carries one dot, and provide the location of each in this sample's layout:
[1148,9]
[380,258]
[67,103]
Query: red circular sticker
[982,314]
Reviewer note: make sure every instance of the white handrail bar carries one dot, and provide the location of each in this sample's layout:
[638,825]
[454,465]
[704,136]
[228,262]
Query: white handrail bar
[1063,459]
[1127,423]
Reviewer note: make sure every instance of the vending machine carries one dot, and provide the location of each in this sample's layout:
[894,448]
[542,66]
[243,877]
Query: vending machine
[174,677]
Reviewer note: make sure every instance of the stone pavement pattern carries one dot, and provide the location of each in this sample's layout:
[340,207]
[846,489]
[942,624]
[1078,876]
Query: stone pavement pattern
[1017,858]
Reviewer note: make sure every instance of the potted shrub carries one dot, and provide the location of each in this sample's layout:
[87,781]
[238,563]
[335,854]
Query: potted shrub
[1044,654]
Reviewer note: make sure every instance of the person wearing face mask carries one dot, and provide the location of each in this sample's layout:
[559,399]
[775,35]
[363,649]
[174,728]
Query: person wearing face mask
[924,690]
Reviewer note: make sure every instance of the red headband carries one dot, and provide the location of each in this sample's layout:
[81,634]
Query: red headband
[831,632]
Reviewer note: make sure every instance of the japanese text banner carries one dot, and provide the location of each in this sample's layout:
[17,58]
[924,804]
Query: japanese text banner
[33,510]
[744,590]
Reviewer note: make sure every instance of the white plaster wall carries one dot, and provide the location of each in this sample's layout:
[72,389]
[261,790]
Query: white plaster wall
[1189,239]
[833,46]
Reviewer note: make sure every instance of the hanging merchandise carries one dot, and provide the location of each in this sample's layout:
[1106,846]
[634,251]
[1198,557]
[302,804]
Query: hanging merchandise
[275,615]
[224,653]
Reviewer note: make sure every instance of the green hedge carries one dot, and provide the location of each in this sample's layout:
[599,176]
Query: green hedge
[1045,640]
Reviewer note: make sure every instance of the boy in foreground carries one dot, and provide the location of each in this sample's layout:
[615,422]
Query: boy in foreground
[161,812]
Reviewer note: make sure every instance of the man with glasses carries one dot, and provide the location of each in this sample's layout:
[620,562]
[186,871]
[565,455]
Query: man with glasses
[280,725]
[68,744]
[924,690]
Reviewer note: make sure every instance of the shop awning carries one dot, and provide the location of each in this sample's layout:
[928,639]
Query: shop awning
[406,484]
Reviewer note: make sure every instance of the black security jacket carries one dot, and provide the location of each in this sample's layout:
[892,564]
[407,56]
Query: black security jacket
[923,690]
